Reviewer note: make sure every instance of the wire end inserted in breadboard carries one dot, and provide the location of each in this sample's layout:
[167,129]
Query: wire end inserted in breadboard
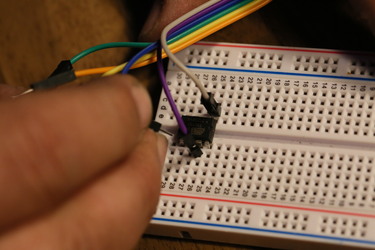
[292,162]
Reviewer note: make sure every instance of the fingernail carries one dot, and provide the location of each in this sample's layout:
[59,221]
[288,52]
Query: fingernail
[162,145]
[143,103]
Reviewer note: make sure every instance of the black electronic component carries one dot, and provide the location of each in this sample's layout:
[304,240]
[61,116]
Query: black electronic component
[213,108]
[201,128]
[189,141]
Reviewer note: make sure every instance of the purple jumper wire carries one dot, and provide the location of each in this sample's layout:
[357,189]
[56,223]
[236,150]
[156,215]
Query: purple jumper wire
[198,15]
[180,122]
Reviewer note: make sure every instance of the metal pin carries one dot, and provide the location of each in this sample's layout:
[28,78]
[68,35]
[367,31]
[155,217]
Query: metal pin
[23,93]
[166,132]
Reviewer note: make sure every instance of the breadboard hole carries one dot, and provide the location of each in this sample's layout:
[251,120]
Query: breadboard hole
[175,209]
[260,60]
[293,151]
[311,107]
[227,214]
[284,220]
[284,174]
[343,226]
[315,64]
[213,57]
[362,67]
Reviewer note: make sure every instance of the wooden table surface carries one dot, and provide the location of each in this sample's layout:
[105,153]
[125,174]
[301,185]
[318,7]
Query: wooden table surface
[36,35]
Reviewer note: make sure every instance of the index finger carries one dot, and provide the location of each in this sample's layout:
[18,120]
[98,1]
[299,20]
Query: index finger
[52,143]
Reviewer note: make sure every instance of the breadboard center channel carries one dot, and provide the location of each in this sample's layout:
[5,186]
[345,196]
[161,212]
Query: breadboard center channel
[294,151]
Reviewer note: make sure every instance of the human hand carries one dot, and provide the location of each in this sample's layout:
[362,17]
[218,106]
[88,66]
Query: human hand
[164,12]
[365,11]
[78,167]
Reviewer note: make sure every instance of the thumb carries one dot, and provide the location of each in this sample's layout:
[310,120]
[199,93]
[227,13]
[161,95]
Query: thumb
[54,142]
[164,12]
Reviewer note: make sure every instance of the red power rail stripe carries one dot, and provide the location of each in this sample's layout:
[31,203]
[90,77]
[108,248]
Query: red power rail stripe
[285,49]
[271,205]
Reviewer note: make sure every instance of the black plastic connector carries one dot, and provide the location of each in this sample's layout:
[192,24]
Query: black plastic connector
[54,81]
[155,126]
[64,66]
[62,74]
[189,142]
[213,108]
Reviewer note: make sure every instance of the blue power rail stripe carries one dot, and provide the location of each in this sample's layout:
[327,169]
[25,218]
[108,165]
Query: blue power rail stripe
[267,231]
[285,73]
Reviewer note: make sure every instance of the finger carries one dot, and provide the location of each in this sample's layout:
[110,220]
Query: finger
[164,12]
[7,91]
[111,213]
[364,10]
[57,141]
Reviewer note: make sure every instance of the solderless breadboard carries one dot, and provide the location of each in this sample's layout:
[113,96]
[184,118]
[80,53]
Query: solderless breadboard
[292,163]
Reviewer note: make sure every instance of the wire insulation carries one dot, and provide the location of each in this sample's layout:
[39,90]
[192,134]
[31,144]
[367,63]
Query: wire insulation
[206,31]
[139,55]
[210,11]
[93,49]
[187,40]
[163,41]
[167,92]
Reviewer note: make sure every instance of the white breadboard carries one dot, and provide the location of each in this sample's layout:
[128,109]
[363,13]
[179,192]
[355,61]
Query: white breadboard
[292,163]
